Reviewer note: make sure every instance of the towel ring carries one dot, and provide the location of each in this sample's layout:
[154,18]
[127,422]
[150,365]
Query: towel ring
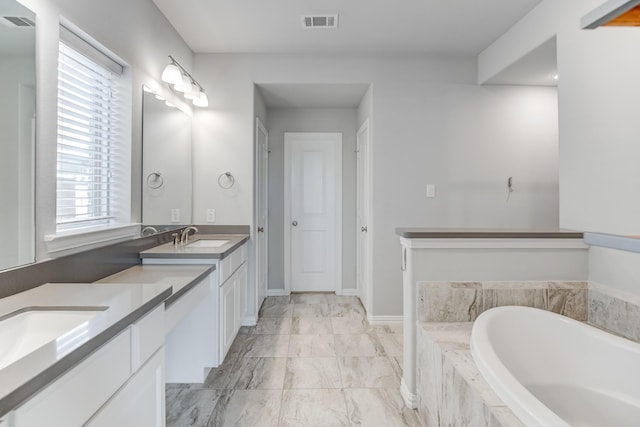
[230,180]
[157,178]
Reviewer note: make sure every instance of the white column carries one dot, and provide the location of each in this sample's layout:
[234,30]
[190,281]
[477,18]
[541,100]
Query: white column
[408,385]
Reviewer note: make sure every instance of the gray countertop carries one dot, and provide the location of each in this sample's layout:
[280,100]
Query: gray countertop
[122,304]
[169,250]
[482,233]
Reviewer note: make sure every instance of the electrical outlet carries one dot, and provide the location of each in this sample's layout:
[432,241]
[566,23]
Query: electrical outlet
[431,190]
[211,215]
[175,215]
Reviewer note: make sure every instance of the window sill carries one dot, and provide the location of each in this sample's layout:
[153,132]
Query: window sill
[89,238]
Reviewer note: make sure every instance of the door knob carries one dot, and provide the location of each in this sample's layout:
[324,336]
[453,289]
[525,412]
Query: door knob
[260,229]
[294,223]
[364,229]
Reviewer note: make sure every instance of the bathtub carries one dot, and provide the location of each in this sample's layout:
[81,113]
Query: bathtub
[554,371]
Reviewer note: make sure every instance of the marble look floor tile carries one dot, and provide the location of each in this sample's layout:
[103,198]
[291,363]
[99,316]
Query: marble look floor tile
[498,294]
[346,310]
[350,325]
[193,408]
[569,299]
[312,346]
[273,326]
[368,372]
[247,408]
[269,301]
[342,299]
[388,329]
[358,345]
[248,373]
[396,364]
[392,344]
[313,408]
[267,346]
[312,372]
[309,298]
[311,310]
[311,325]
[277,310]
[240,345]
[379,407]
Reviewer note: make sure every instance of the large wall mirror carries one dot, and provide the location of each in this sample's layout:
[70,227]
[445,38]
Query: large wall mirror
[17,133]
[166,164]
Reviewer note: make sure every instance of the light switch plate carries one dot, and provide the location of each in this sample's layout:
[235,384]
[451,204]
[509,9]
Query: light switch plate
[431,190]
[175,215]
[211,215]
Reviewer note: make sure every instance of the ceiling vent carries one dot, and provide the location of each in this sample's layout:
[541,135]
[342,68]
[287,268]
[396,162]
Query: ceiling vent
[17,21]
[320,21]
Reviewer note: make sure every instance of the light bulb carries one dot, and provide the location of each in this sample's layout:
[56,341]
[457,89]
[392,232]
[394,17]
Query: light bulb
[172,74]
[202,100]
[193,94]
[184,85]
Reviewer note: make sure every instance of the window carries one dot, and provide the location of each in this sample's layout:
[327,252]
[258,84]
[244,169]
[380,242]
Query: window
[93,151]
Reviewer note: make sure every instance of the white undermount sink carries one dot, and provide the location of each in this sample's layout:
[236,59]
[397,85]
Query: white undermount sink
[207,243]
[26,331]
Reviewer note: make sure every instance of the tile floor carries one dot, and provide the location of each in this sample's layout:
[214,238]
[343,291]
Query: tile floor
[312,360]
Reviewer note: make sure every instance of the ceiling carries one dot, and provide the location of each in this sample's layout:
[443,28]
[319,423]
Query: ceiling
[14,40]
[365,26]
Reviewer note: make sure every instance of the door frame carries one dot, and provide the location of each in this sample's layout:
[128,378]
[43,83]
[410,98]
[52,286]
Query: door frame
[367,177]
[287,206]
[261,128]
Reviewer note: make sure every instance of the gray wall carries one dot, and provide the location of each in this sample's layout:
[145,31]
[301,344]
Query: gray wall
[311,120]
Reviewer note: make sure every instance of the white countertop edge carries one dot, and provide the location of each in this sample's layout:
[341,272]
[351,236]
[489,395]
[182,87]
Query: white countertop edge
[493,243]
[612,241]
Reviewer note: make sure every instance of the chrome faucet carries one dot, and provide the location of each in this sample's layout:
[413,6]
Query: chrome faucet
[184,239]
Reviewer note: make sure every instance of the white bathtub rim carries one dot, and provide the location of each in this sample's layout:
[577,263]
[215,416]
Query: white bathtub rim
[521,401]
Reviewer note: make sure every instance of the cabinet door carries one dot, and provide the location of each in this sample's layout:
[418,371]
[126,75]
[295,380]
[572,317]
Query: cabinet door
[140,402]
[241,291]
[227,315]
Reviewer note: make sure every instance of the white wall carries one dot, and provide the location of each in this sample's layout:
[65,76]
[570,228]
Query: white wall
[431,122]
[136,32]
[598,132]
[283,120]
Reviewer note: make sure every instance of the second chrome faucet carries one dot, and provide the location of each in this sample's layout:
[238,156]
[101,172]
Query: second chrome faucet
[184,237]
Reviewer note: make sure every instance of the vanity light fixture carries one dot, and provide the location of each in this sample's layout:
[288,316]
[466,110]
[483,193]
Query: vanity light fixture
[175,74]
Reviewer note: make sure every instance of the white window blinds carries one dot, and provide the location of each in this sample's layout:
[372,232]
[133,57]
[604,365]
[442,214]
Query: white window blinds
[92,154]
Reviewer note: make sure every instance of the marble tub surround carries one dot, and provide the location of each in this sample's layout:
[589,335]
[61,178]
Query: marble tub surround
[451,390]
[125,303]
[169,250]
[312,360]
[614,311]
[464,301]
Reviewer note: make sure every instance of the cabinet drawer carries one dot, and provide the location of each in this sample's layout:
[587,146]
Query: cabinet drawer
[147,336]
[76,396]
[231,263]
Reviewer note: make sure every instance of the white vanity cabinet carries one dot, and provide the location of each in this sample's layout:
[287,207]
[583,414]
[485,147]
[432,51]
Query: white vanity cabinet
[216,318]
[122,380]
[233,298]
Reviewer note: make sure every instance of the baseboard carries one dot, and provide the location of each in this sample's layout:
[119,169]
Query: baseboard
[385,320]
[348,293]
[278,293]
[410,399]
[250,321]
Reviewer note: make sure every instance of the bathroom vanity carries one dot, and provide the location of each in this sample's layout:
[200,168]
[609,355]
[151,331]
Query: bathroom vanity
[217,309]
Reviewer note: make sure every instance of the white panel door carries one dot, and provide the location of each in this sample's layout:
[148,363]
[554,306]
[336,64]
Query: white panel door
[262,209]
[363,264]
[313,211]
